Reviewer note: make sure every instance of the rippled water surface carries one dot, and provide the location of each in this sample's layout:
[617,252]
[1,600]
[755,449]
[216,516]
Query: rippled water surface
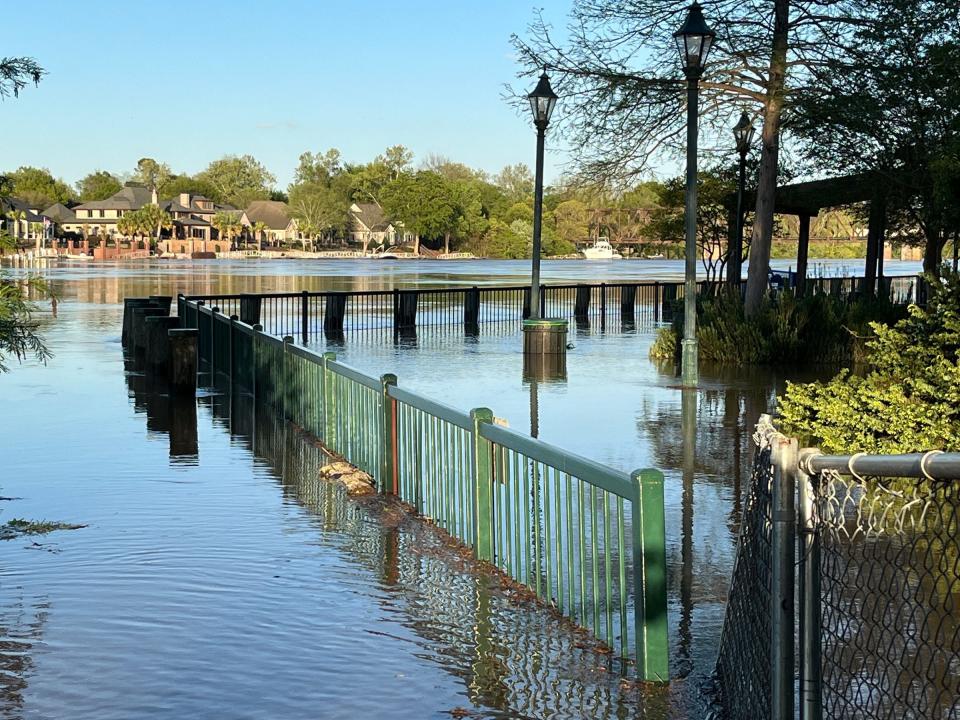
[218,577]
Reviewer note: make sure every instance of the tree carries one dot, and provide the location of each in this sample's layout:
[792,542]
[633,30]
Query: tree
[396,159]
[150,220]
[667,221]
[19,335]
[228,225]
[177,184]
[887,109]
[98,185]
[152,174]
[239,179]
[318,168]
[450,170]
[423,203]
[319,210]
[571,219]
[16,72]
[16,217]
[259,229]
[516,181]
[624,106]
[38,187]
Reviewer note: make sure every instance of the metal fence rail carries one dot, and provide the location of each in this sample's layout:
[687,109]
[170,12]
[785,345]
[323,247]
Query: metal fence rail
[877,584]
[587,539]
[309,316]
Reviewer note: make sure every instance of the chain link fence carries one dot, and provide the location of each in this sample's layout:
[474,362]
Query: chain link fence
[889,595]
[877,582]
[743,667]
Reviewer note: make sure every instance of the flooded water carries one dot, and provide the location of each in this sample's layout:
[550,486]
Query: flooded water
[217,577]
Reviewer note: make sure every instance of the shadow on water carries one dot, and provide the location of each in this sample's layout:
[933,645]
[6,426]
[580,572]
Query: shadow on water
[512,656]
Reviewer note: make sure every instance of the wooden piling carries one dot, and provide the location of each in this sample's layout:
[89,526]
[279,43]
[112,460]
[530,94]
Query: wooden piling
[581,306]
[138,327]
[333,313]
[250,309]
[471,307]
[128,305]
[183,359]
[157,350]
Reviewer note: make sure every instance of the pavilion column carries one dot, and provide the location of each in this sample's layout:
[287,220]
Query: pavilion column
[803,249]
[875,233]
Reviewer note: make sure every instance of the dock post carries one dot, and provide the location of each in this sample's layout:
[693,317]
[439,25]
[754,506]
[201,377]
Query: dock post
[183,359]
[157,342]
[126,336]
[305,317]
[581,305]
[628,302]
[334,310]
[250,309]
[138,325]
[471,307]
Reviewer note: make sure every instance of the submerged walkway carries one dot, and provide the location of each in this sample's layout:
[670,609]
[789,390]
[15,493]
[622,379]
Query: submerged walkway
[220,577]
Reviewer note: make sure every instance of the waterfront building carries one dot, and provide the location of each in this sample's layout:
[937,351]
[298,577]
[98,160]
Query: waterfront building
[371,227]
[275,215]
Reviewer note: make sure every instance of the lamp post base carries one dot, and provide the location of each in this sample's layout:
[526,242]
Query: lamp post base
[545,337]
[689,370]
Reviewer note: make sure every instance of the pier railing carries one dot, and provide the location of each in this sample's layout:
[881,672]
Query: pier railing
[308,316]
[857,559]
[585,539]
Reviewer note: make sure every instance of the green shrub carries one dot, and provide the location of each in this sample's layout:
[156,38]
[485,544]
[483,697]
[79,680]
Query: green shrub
[820,329]
[909,398]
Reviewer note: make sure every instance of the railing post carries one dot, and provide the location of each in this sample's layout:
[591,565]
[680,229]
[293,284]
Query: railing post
[782,555]
[232,346]
[389,482]
[811,676]
[482,487]
[656,301]
[650,576]
[328,401]
[213,345]
[305,316]
[254,358]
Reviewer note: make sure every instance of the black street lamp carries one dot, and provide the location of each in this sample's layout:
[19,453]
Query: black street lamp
[743,133]
[694,40]
[542,101]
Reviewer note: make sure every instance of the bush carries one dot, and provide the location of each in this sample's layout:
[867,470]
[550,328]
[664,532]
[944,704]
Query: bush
[820,329]
[909,398]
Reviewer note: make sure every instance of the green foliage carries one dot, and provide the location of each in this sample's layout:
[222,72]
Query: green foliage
[423,201]
[239,180]
[16,72]
[38,187]
[819,329]
[177,184]
[19,336]
[909,398]
[152,174]
[820,249]
[98,185]
[319,209]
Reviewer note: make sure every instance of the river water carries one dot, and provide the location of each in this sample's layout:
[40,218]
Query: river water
[217,577]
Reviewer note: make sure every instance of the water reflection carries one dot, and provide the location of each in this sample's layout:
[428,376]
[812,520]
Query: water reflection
[166,412]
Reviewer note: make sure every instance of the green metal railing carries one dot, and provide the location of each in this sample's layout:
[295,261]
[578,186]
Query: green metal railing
[586,539]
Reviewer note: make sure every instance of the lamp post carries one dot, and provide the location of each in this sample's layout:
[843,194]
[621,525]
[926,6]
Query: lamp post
[694,40]
[743,136]
[542,101]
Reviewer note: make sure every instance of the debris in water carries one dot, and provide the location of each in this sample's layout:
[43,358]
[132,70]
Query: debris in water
[356,481]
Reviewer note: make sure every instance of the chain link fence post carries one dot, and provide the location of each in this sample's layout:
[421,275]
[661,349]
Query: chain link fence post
[783,547]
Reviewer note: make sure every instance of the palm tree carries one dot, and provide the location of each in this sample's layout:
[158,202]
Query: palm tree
[17,217]
[259,228]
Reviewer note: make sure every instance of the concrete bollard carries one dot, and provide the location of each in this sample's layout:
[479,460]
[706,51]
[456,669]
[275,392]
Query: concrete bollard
[128,306]
[157,341]
[183,359]
[138,328]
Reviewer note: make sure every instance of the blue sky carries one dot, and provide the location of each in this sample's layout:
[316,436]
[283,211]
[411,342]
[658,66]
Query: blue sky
[188,82]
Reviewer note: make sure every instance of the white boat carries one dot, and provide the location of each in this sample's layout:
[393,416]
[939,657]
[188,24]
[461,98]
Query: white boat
[601,250]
